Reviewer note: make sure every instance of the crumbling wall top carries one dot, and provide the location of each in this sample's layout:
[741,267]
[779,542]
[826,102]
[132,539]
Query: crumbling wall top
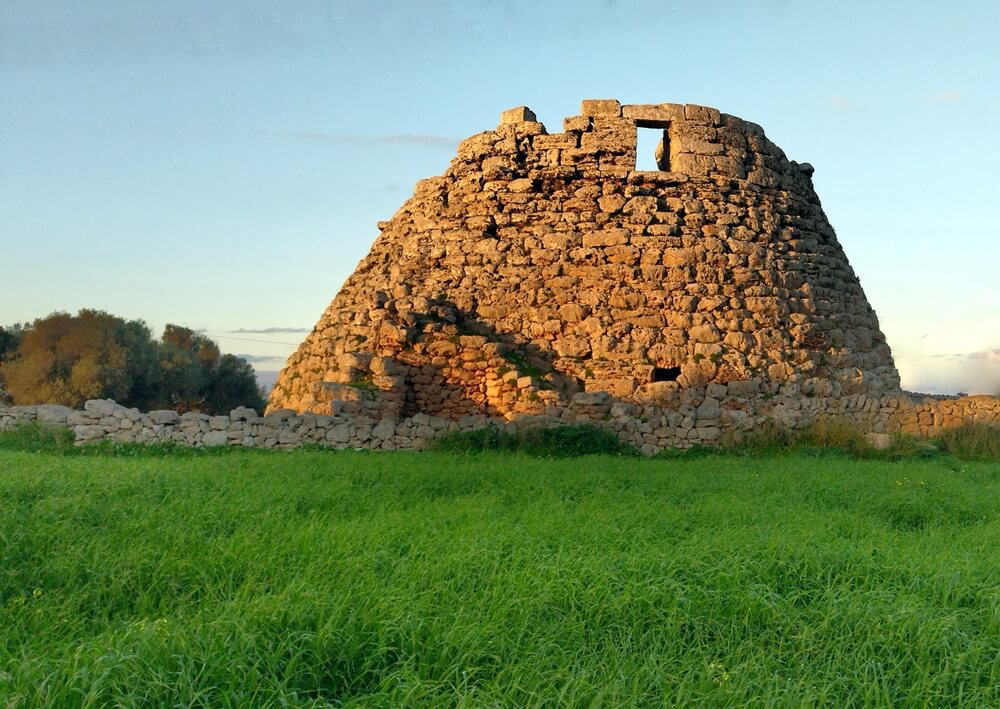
[699,141]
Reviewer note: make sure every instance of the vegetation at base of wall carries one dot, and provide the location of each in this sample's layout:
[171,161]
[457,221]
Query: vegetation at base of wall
[400,579]
[37,437]
[541,442]
[838,436]
[67,359]
[971,440]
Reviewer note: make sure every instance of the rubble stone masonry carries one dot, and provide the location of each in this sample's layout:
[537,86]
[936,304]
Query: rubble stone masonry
[543,279]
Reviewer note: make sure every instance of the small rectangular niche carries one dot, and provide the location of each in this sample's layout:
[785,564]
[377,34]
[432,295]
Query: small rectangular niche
[666,374]
[652,145]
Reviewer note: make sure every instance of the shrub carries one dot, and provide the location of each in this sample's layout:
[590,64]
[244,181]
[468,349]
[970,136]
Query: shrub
[971,440]
[560,442]
[37,437]
[838,433]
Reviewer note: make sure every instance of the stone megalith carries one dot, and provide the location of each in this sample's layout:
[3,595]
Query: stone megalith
[543,273]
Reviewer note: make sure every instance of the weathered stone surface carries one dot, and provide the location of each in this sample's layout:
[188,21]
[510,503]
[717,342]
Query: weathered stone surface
[543,278]
[53,413]
[664,415]
[164,416]
[215,438]
[100,407]
[518,114]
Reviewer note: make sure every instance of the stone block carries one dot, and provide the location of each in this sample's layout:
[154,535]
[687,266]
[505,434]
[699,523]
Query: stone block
[600,107]
[100,407]
[215,438]
[164,416]
[518,114]
[53,413]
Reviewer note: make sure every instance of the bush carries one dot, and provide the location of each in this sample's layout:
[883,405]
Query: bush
[37,437]
[970,441]
[560,442]
[836,433]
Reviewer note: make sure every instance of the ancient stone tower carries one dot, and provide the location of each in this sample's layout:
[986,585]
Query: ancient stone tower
[544,274]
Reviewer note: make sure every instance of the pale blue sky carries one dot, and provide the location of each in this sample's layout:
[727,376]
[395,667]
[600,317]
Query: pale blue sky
[223,164]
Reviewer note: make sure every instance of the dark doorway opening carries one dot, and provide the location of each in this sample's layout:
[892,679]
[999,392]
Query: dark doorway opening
[666,374]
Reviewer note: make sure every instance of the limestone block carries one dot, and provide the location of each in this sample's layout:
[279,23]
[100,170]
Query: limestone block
[708,410]
[100,407]
[608,237]
[219,423]
[704,333]
[53,413]
[384,430]
[215,438]
[518,114]
[600,107]
[242,413]
[164,416]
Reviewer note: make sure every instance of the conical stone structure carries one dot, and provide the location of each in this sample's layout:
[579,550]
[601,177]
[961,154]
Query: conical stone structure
[543,274]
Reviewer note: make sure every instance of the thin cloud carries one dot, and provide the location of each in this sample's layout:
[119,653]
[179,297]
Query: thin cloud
[969,372]
[267,330]
[992,355]
[416,139]
[948,96]
[842,103]
[262,359]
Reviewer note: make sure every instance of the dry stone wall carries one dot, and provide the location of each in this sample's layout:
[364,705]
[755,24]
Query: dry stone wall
[541,266]
[717,417]
[543,280]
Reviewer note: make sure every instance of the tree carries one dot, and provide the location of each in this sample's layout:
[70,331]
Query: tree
[198,378]
[9,339]
[233,383]
[66,359]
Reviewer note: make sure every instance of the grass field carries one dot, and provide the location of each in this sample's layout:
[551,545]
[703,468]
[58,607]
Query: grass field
[330,579]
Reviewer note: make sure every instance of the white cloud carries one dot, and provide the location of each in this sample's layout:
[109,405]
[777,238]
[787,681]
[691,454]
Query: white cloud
[842,103]
[972,372]
[948,96]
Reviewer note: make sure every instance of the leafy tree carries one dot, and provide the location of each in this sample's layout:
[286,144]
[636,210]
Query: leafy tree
[198,378]
[68,359]
[233,383]
[9,339]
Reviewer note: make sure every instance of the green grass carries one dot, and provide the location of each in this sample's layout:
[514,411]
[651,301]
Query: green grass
[348,579]
[538,441]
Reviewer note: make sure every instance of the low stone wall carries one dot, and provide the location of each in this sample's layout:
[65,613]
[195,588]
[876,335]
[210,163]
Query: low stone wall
[715,416]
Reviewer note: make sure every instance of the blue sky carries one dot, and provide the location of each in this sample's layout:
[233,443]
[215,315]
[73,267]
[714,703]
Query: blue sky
[222,165]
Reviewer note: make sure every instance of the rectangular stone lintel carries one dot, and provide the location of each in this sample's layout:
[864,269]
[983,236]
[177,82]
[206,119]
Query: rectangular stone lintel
[518,114]
[647,112]
[656,177]
[600,107]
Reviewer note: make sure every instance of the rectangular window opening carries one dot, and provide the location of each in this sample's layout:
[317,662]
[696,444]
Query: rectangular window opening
[652,146]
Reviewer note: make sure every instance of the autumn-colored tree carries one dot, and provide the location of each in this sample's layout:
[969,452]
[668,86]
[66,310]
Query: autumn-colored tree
[67,359]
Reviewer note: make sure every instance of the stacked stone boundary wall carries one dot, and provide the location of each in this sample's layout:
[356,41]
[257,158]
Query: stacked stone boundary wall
[713,417]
